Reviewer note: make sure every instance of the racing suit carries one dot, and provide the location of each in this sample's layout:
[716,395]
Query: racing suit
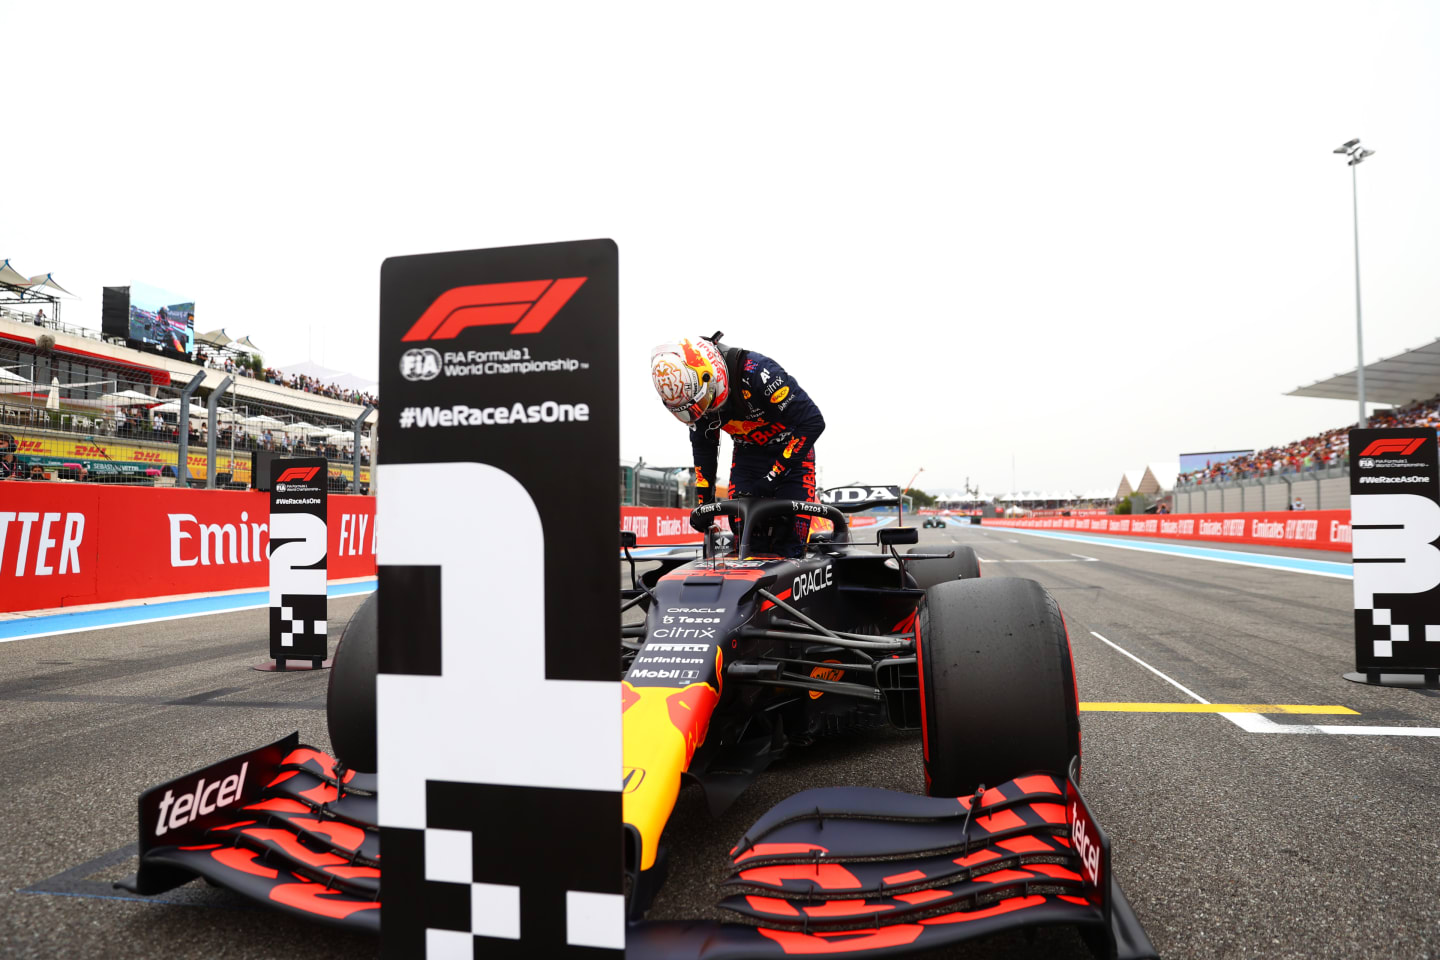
[773,425]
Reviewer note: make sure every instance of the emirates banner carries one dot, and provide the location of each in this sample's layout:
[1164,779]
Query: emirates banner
[69,544]
[1395,512]
[1310,529]
[299,549]
[498,698]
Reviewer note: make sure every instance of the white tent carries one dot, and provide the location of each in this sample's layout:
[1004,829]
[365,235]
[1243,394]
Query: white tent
[197,412]
[127,398]
[11,382]
[261,420]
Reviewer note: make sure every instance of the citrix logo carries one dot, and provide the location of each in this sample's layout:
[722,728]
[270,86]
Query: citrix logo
[199,803]
[525,306]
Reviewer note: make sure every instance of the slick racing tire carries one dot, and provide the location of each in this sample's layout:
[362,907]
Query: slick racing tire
[997,684]
[927,573]
[350,701]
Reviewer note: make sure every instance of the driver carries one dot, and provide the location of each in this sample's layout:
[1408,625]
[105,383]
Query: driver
[772,422]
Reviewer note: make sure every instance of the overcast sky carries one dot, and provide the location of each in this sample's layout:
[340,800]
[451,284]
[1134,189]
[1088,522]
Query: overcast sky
[1083,235]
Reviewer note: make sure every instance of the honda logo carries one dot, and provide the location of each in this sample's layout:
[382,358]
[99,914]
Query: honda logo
[526,306]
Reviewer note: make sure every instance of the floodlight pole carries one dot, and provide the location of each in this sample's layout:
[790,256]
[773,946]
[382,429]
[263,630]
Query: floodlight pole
[1356,155]
[212,420]
[1359,329]
[182,465]
[355,450]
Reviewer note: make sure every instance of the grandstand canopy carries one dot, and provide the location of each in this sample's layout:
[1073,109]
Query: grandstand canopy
[45,281]
[10,275]
[215,338]
[1398,380]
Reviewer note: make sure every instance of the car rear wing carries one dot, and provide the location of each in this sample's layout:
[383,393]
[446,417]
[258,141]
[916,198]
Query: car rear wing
[857,497]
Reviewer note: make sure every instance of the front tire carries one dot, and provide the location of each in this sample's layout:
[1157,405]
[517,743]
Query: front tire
[965,565]
[350,700]
[997,684]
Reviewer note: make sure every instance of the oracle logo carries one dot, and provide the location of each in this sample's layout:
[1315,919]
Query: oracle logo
[525,306]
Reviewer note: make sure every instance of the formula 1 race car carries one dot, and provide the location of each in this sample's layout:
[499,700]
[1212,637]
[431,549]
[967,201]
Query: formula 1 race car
[744,654]
[933,522]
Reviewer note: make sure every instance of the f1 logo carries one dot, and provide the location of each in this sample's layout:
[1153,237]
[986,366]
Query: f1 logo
[1403,446]
[527,306]
[303,474]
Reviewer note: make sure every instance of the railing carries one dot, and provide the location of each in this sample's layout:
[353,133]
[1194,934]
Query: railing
[1317,489]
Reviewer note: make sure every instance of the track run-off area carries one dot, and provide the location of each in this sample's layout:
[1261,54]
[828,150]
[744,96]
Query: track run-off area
[1259,804]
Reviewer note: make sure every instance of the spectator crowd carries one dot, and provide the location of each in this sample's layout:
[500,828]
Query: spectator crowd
[301,382]
[1323,450]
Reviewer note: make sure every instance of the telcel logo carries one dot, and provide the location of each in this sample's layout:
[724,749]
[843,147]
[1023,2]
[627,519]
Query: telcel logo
[175,813]
[1086,845]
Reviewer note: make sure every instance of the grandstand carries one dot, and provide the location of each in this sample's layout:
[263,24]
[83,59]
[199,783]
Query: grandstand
[73,403]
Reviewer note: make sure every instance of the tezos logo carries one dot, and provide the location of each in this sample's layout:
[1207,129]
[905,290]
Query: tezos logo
[420,364]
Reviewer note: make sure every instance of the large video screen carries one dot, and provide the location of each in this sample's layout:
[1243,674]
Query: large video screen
[161,318]
[1199,461]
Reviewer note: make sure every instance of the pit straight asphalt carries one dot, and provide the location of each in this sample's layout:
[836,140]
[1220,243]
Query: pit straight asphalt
[1234,835]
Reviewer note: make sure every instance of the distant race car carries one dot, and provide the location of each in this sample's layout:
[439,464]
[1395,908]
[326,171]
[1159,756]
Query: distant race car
[933,521]
[744,655]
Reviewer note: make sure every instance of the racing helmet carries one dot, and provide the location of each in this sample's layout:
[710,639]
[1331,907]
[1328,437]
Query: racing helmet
[690,377]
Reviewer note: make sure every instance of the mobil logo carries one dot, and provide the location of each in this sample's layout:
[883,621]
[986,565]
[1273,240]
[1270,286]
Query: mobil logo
[524,306]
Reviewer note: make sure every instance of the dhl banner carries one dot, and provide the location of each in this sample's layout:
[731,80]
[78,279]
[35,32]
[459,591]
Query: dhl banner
[65,544]
[111,455]
[1311,529]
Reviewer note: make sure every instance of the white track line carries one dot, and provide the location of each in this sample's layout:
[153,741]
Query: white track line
[1259,723]
[1170,680]
[1081,560]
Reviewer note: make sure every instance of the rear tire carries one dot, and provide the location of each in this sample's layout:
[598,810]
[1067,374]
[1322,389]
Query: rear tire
[997,684]
[350,701]
[927,573]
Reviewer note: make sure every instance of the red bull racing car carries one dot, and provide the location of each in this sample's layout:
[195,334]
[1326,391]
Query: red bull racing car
[741,656]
